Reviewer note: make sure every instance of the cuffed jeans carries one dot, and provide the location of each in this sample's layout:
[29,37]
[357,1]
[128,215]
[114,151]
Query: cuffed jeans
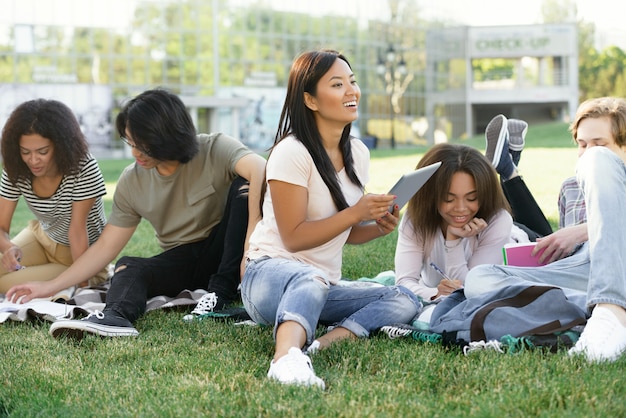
[597,272]
[212,264]
[276,290]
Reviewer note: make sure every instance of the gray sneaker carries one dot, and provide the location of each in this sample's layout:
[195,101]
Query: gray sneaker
[97,323]
[497,148]
[517,138]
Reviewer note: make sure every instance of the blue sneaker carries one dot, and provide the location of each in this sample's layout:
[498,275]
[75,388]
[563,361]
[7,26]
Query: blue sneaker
[497,150]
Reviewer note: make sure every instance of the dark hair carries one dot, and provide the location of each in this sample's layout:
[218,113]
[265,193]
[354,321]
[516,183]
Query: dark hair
[613,108]
[297,119]
[159,123]
[52,120]
[423,208]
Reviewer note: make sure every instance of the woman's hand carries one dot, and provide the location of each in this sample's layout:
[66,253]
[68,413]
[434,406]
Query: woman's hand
[470,229]
[445,287]
[373,206]
[11,258]
[23,293]
[388,222]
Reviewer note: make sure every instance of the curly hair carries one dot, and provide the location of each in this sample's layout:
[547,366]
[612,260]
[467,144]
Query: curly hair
[159,124]
[52,120]
[423,208]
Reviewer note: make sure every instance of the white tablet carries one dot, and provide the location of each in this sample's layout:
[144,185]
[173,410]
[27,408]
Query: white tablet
[410,183]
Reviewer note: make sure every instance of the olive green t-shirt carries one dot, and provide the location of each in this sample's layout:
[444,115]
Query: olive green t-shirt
[185,206]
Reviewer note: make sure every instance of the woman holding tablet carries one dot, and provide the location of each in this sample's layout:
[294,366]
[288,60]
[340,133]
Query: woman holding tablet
[457,220]
[313,205]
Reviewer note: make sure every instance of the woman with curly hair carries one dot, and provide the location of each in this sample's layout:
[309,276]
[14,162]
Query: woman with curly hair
[46,161]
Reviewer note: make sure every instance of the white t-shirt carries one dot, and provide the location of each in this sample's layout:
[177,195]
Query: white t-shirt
[290,162]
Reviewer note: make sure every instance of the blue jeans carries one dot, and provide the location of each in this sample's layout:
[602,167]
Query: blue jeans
[276,290]
[597,272]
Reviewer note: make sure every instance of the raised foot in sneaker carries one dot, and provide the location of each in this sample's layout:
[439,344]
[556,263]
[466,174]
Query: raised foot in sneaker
[517,138]
[603,339]
[517,134]
[497,148]
[97,323]
[294,368]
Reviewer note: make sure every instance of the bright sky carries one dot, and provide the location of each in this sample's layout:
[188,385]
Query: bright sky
[608,15]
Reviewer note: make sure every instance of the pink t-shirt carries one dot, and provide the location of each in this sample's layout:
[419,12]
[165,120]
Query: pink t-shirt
[290,162]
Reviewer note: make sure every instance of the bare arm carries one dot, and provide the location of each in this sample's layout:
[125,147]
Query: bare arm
[77,235]
[252,168]
[105,249]
[298,233]
[10,252]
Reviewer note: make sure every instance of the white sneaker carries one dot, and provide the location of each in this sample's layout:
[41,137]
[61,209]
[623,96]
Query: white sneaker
[294,368]
[206,304]
[313,348]
[603,339]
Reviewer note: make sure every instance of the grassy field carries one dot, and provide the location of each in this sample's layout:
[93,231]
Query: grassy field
[213,368]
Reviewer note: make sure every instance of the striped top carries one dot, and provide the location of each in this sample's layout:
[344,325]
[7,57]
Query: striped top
[54,212]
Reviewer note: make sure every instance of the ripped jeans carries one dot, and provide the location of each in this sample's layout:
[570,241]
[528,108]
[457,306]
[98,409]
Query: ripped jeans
[276,290]
[212,264]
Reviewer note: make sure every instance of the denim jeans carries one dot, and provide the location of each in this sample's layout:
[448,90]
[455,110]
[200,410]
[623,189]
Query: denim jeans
[276,290]
[597,272]
[212,264]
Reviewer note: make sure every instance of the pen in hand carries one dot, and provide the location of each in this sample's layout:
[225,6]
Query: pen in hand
[443,274]
[438,270]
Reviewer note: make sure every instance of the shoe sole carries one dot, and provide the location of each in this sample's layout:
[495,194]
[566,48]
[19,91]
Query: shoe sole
[494,147]
[79,330]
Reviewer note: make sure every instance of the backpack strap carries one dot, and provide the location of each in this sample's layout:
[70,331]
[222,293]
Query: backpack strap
[523,298]
[555,326]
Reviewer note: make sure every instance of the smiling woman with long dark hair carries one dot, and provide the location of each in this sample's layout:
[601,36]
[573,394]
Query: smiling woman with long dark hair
[313,205]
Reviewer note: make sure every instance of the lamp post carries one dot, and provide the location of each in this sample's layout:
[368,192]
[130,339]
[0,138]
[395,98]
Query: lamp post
[392,68]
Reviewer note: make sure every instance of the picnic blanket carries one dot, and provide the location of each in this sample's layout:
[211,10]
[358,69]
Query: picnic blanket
[85,301]
[70,304]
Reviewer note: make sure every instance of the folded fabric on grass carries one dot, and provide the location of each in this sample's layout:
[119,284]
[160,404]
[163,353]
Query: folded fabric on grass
[84,302]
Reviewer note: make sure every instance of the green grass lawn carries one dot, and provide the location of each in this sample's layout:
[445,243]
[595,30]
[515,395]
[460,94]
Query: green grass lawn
[213,368]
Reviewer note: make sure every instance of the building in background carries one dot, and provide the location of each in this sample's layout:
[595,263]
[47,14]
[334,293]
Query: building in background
[229,61]
[473,73]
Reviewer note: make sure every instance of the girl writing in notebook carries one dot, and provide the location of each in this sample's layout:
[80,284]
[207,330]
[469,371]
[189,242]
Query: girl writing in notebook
[457,220]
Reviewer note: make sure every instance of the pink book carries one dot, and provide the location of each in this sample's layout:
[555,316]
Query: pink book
[518,254]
